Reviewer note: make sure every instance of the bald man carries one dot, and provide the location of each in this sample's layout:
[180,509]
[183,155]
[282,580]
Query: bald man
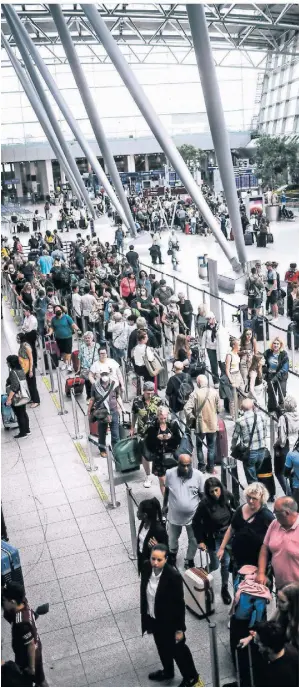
[281,542]
[251,431]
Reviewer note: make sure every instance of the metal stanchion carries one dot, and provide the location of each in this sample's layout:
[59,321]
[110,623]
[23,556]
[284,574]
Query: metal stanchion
[125,378]
[236,403]
[229,480]
[204,297]
[48,354]
[222,313]
[113,504]
[241,320]
[77,435]
[174,284]
[132,524]
[173,214]
[265,333]
[92,466]
[188,291]
[42,360]
[272,434]
[214,655]
[293,349]
[62,411]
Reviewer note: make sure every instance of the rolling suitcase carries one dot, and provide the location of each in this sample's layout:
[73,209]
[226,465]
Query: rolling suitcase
[259,330]
[233,472]
[93,427]
[265,475]
[270,238]
[163,376]
[261,240]
[60,225]
[8,416]
[127,455]
[52,348]
[76,383]
[280,304]
[293,327]
[75,361]
[125,426]
[187,228]
[11,569]
[199,588]
[221,442]
[248,238]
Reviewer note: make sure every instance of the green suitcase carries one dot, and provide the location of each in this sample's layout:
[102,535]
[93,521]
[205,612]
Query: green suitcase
[127,455]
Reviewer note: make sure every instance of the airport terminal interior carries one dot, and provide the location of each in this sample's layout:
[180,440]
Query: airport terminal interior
[150,344]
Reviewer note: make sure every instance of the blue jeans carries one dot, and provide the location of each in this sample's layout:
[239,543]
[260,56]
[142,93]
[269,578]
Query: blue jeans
[114,427]
[117,354]
[211,442]
[225,561]
[253,464]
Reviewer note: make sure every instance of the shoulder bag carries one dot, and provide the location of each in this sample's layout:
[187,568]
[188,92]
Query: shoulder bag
[281,452]
[22,396]
[241,451]
[155,366]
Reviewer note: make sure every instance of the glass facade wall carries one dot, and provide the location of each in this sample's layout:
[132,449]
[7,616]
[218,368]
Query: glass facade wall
[279,112]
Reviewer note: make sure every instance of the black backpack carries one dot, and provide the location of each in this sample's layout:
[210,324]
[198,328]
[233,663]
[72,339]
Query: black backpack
[184,390]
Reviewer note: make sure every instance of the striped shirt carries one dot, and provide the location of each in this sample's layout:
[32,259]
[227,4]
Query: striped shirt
[243,429]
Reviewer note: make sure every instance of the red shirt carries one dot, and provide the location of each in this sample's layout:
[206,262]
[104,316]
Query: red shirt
[292,276]
[127,286]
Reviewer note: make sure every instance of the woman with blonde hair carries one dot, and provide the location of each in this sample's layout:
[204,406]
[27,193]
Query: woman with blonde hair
[232,371]
[201,321]
[182,350]
[248,528]
[277,369]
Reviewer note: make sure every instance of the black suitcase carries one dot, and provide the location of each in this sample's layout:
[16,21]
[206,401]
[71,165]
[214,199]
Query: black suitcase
[163,376]
[261,240]
[293,327]
[265,475]
[258,329]
[60,224]
[82,223]
[233,471]
[109,213]
[280,304]
[270,238]
[125,426]
[248,238]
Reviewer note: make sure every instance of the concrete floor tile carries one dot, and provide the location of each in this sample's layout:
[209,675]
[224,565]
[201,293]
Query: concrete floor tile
[129,623]
[55,619]
[106,662]
[142,651]
[13,467]
[97,521]
[28,520]
[77,494]
[66,545]
[74,476]
[30,536]
[87,507]
[44,592]
[55,514]
[66,672]
[124,531]
[96,633]
[52,499]
[34,453]
[80,585]
[58,644]
[97,539]
[58,448]
[63,529]
[118,575]
[87,608]
[30,555]
[64,566]
[108,556]
[32,465]
[126,597]
[21,506]
[120,515]
[39,571]
[41,487]
[124,680]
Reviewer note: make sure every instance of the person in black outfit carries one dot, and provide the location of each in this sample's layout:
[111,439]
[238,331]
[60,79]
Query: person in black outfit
[175,382]
[133,259]
[162,610]
[162,438]
[133,338]
[151,530]
[276,664]
[186,311]
[16,374]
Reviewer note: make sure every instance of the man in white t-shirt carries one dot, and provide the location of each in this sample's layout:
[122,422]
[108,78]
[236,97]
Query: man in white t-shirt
[106,364]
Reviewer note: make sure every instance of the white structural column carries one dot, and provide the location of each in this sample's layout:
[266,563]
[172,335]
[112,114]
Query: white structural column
[66,111]
[131,163]
[210,87]
[91,109]
[18,175]
[159,131]
[45,176]
[146,163]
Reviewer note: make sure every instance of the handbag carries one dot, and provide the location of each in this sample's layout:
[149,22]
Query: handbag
[22,396]
[241,451]
[153,367]
[280,452]
[102,413]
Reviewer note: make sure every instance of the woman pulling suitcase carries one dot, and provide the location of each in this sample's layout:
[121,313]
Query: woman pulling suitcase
[26,361]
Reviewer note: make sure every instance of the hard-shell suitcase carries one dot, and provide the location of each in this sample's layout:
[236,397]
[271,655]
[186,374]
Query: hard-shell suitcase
[259,330]
[261,239]
[8,416]
[125,425]
[265,475]
[293,327]
[59,224]
[187,228]
[11,569]
[82,223]
[163,376]
[51,347]
[248,238]
[75,361]
[270,238]
[199,588]
[280,304]
[76,383]
[221,442]
[93,427]
[127,454]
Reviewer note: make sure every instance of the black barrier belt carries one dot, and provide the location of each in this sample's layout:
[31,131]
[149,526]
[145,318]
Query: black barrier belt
[204,614]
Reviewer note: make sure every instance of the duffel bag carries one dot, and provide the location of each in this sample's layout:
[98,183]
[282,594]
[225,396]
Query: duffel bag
[75,383]
[127,454]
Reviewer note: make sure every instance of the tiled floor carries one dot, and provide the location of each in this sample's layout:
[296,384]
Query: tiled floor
[75,551]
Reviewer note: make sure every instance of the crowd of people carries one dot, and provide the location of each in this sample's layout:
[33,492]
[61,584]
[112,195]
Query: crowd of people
[107,320]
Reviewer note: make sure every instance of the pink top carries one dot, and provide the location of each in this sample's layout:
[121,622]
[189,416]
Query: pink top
[284,547]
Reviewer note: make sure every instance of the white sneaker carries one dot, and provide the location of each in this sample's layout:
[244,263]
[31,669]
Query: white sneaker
[70,369]
[147,482]
[62,366]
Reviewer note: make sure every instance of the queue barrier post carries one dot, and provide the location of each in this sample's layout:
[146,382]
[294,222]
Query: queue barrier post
[272,433]
[77,435]
[48,354]
[241,320]
[113,504]
[204,297]
[236,403]
[265,333]
[132,522]
[222,313]
[188,292]
[42,360]
[63,410]
[91,463]
[214,654]
[174,284]
[293,349]
[125,379]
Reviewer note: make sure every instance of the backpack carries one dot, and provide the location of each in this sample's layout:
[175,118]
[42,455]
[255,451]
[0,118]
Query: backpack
[296,313]
[184,390]
[249,608]
[253,289]
[153,367]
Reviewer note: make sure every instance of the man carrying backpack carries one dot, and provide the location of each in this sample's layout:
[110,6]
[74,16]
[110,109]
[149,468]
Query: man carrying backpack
[178,390]
[201,411]
[254,287]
